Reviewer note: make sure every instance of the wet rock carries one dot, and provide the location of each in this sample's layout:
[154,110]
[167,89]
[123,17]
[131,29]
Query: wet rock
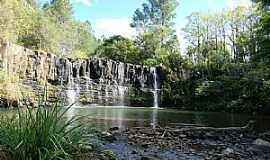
[145,145]
[266,136]
[149,158]
[259,152]
[114,129]
[261,142]
[182,136]
[228,151]
[108,137]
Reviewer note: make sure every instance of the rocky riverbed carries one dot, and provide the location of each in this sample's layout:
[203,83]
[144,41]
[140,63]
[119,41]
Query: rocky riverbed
[187,142]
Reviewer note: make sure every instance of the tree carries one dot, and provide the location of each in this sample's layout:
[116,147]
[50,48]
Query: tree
[86,41]
[261,58]
[60,9]
[15,19]
[120,49]
[155,20]
[193,33]
[218,32]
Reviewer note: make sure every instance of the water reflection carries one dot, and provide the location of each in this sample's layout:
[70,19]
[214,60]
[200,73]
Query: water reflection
[123,117]
[154,118]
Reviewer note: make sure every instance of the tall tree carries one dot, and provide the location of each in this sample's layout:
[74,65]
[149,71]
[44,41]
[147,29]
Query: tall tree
[217,32]
[156,20]
[61,9]
[261,57]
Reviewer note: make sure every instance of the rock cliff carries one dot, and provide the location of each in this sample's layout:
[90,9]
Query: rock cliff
[91,75]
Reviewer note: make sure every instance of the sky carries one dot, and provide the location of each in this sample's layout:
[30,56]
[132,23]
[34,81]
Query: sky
[112,17]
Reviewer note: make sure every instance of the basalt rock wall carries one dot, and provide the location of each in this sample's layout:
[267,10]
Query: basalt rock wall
[38,65]
[94,77]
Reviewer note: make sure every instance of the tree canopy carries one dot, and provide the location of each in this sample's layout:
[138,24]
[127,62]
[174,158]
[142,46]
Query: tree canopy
[51,27]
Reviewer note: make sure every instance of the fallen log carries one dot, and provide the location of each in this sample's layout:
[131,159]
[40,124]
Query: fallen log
[248,127]
[187,125]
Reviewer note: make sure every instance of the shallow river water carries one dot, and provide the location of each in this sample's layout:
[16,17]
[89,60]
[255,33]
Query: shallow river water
[105,117]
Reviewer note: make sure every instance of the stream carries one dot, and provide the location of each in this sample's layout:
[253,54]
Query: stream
[105,117]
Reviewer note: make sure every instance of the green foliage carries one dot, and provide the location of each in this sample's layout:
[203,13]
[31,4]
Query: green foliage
[15,19]
[155,24]
[260,58]
[120,49]
[39,134]
[12,90]
[60,9]
[50,28]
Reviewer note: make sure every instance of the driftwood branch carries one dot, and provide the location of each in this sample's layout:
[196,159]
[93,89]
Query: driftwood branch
[248,127]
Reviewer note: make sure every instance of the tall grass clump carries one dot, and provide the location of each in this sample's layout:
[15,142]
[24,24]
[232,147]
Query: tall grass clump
[39,134]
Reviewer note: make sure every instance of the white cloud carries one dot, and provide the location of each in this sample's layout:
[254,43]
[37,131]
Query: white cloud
[85,2]
[236,3]
[114,26]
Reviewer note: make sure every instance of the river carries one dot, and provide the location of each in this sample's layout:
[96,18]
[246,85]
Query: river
[105,117]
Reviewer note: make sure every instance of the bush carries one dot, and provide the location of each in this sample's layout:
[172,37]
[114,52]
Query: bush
[39,134]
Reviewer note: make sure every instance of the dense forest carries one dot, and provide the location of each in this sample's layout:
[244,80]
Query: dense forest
[225,67]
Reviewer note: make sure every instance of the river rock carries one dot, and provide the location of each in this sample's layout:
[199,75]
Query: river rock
[114,129]
[149,158]
[261,142]
[228,151]
[260,148]
[266,136]
[108,137]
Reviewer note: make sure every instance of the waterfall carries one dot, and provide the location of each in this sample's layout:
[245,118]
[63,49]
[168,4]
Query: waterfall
[106,82]
[73,89]
[71,94]
[121,93]
[121,89]
[155,85]
[121,73]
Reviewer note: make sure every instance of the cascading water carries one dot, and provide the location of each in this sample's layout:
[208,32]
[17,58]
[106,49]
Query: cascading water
[120,86]
[73,92]
[107,82]
[121,73]
[121,92]
[155,85]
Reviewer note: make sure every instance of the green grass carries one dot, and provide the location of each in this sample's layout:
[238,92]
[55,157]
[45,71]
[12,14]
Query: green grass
[39,134]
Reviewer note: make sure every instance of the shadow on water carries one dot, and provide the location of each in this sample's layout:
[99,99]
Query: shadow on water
[105,117]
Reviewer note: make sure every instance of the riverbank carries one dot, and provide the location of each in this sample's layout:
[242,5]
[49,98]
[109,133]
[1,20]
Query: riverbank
[188,141]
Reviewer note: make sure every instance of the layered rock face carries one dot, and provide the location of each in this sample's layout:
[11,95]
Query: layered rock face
[96,80]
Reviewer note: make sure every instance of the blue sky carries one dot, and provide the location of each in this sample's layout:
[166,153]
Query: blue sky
[111,17]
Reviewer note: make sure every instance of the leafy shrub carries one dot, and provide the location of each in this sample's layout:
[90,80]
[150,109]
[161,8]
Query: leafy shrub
[39,134]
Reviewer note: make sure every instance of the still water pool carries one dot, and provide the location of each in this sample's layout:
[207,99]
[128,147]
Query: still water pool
[104,117]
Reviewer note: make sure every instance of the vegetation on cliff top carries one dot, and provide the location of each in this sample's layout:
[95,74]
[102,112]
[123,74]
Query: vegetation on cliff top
[50,27]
